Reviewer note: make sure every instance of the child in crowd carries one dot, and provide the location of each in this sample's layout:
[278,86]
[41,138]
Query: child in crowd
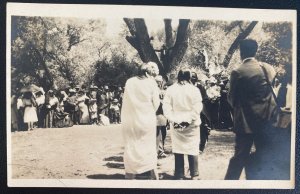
[115,111]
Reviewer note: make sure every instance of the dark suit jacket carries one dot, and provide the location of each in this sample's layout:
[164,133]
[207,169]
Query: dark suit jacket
[250,96]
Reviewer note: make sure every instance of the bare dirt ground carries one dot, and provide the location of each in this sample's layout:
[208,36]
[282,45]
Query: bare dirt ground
[96,152]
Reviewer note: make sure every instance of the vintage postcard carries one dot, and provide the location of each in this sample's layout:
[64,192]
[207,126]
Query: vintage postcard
[115,96]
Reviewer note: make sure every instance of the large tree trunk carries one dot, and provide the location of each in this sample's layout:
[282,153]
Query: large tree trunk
[175,54]
[171,55]
[140,40]
[234,46]
[169,33]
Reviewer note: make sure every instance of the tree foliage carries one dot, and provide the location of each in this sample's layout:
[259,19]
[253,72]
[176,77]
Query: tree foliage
[53,52]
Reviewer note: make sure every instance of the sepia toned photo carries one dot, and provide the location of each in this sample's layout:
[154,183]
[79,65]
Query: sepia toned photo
[183,98]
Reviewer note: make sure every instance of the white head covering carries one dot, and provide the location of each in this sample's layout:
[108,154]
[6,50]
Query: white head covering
[153,68]
[159,78]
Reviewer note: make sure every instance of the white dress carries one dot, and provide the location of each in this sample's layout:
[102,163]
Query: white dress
[183,103]
[30,114]
[140,102]
[85,117]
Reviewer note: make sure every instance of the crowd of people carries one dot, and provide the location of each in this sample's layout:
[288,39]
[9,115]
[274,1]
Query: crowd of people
[189,106]
[33,107]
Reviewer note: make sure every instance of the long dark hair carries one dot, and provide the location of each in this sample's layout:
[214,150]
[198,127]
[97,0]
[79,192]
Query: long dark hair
[30,96]
[184,75]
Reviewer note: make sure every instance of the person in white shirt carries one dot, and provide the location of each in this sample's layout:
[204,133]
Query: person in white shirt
[40,100]
[182,105]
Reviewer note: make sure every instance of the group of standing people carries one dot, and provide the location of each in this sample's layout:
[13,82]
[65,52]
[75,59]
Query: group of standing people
[183,106]
[76,105]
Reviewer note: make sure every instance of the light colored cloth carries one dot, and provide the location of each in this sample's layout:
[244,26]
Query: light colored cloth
[115,107]
[53,100]
[104,120]
[161,120]
[93,110]
[19,103]
[289,94]
[83,109]
[30,114]
[40,100]
[184,106]
[140,102]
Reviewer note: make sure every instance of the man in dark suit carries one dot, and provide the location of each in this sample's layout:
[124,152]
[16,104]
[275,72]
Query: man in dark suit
[251,99]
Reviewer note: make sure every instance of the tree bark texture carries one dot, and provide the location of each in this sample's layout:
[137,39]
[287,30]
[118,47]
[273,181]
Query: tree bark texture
[174,53]
[169,33]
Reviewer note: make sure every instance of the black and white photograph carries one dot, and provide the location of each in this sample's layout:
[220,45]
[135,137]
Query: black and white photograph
[117,96]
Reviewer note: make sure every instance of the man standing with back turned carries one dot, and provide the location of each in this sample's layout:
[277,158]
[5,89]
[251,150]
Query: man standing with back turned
[251,98]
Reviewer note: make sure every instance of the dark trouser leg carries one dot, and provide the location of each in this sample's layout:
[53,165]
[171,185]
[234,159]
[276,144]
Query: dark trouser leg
[163,130]
[203,132]
[241,156]
[203,136]
[193,165]
[118,117]
[112,116]
[179,166]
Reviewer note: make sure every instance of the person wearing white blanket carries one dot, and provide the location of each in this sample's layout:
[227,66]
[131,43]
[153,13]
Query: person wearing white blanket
[140,102]
[182,106]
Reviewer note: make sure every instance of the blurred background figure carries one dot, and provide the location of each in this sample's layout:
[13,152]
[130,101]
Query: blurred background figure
[161,129]
[40,100]
[30,114]
[83,108]
[115,111]
[51,103]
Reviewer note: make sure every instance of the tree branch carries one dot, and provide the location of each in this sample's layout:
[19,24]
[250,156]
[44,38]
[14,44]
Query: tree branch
[236,43]
[130,24]
[180,46]
[169,33]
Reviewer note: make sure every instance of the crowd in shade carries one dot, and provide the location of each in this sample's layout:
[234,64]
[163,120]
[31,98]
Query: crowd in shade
[33,107]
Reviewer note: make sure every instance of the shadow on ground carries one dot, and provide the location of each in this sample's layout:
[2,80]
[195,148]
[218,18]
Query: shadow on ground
[106,176]
[114,158]
[115,165]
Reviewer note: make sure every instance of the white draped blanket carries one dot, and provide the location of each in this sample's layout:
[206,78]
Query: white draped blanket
[140,102]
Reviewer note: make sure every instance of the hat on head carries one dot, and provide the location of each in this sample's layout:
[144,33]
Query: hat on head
[93,87]
[106,87]
[50,91]
[77,86]
[115,100]
[72,90]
